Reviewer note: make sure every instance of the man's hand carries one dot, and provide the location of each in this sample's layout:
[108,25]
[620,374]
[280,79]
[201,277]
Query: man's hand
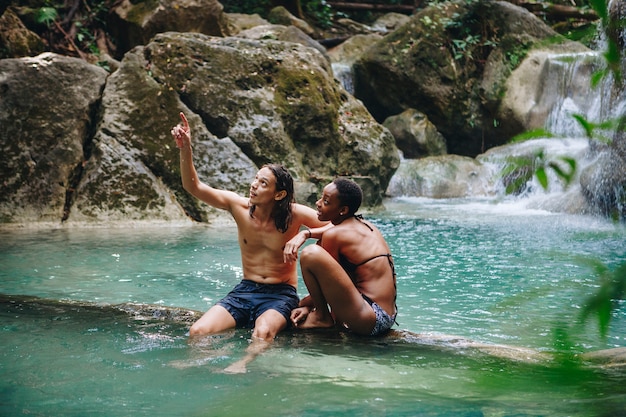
[182,133]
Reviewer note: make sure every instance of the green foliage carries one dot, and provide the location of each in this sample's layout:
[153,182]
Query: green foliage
[613,54]
[601,8]
[515,58]
[465,41]
[591,129]
[320,11]
[516,174]
[86,38]
[74,27]
[585,34]
[605,300]
[538,165]
[564,346]
[260,7]
[46,15]
[531,134]
[462,47]
[519,170]
[472,36]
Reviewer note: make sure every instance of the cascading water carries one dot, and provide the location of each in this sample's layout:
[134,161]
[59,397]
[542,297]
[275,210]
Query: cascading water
[343,73]
[570,102]
[577,102]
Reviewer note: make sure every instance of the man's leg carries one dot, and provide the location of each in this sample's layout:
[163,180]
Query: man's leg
[266,327]
[216,320]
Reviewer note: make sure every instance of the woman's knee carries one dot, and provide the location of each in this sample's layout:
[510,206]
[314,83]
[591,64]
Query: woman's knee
[310,254]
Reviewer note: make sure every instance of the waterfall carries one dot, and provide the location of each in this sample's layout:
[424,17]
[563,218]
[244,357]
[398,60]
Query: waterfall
[602,173]
[576,93]
[569,92]
[569,82]
[343,73]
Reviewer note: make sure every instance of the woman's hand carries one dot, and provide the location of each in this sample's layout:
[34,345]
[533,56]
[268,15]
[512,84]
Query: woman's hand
[181,133]
[290,252]
[299,315]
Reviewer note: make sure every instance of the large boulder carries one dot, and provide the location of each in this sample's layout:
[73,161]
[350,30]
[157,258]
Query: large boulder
[238,22]
[16,40]
[281,16]
[451,62]
[344,55]
[82,148]
[281,33]
[134,23]
[604,184]
[533,89]
[133,170]
[444,176]
[278,102]
[415,135]
[47,107]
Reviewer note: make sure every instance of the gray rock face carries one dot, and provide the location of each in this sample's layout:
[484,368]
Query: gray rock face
[415,136]
[80,147]
[604,184]
[451,62]
[47,108]
[278,102]
[135,23]
[131,174]
[446,176]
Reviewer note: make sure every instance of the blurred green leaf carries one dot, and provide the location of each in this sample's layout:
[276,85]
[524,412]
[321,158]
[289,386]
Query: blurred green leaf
[588,127]
[532,134]
[46,15]
[600,7]
[604,301]
[542,177]
[598,76]
[566,176]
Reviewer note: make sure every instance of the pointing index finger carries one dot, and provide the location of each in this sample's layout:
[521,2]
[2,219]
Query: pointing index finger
[185,122]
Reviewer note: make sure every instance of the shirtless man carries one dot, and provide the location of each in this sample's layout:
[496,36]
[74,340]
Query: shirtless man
[351,270]
[266,220]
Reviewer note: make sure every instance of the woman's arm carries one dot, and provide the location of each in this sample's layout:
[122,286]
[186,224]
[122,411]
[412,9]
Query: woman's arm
[290,252]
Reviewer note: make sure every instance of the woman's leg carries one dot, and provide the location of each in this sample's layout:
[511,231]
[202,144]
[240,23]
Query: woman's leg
[329,285]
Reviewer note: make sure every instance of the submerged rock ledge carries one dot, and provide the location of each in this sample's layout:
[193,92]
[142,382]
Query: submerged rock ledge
[606,359]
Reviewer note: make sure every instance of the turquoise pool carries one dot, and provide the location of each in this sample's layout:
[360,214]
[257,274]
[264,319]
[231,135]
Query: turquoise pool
[469,273]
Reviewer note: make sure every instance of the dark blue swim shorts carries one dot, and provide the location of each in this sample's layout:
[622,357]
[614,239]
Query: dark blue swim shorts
[248,300]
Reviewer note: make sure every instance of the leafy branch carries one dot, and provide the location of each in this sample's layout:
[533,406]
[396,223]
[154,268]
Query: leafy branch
[605,300]
[519,170]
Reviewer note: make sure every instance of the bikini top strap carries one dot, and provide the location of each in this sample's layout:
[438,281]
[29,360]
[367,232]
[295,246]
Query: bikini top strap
[388,255]
[360,218]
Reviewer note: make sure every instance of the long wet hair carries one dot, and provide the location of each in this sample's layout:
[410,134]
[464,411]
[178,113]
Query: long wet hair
[282,209]
[349,194]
